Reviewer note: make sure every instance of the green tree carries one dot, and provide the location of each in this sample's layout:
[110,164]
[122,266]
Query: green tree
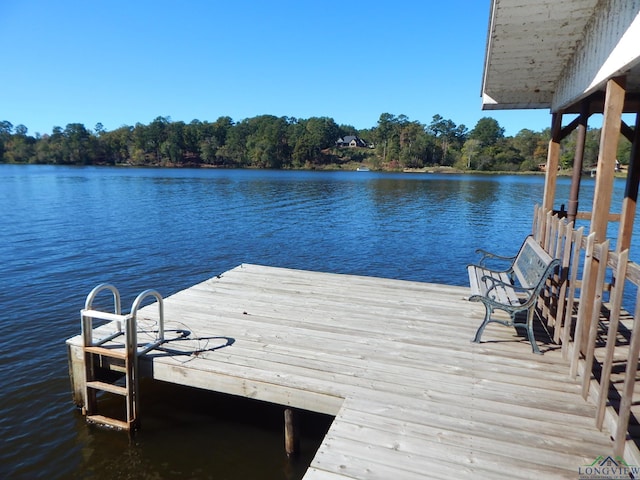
[6,128]
[506,157]
[172,147]
[591,147]
[413,145]
[77,145]
[446,132]
[191,137]
[624,150]
[267,145]
[487,131]
[469,154]
[19,147]
[221,128]
[56,146]
[526,141]
[156,135]
[304,151]
[44,153]
[234,151]
[323,131]
[386,128]
[117,145]
[310,137]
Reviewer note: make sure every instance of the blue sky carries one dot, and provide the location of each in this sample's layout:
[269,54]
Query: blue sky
[122,62]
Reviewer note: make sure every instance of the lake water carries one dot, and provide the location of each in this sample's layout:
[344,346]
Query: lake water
[66,229]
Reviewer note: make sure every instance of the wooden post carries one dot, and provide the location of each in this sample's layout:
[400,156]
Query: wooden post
[553,157]
[291,440]
[77,374]
[629,204]
[613,106]
[578,160]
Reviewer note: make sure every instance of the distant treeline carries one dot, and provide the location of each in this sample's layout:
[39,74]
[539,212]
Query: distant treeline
[267,141]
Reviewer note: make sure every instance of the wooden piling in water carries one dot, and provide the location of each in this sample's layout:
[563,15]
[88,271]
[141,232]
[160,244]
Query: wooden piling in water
[291,440]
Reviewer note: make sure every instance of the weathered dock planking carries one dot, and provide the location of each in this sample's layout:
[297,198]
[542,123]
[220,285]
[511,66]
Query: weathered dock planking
[392,361]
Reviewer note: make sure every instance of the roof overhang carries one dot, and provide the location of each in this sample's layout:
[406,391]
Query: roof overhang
[551,54]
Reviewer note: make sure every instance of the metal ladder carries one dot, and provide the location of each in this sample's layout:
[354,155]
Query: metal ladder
[101,360]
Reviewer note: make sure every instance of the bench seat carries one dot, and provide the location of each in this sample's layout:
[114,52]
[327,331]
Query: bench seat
[480,280]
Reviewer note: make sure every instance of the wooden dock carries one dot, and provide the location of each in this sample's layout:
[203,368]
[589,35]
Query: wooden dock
[392,361]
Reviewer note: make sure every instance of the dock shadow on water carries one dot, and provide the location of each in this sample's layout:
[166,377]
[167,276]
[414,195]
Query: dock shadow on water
[188,433]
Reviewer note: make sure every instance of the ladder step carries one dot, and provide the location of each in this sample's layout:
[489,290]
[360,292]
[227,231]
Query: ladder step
[112,422]
[118,368]
[107,352]
[114,317]
[107,387]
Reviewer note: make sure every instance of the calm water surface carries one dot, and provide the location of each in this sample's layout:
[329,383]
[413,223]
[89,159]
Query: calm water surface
[64,230]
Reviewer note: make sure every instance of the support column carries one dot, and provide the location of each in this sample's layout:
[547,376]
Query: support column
[629,204]
[553,157]
[613,105]
[578,161]
[610,133]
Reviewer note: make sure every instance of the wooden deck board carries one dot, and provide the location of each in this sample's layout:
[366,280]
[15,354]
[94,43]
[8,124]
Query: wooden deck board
[393,361]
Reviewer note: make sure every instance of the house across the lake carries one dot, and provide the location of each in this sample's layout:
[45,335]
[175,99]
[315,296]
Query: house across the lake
[351,141]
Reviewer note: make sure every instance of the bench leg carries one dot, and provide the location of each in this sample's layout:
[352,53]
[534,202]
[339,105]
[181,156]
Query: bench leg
[487,319]
[529,326]
[532,338]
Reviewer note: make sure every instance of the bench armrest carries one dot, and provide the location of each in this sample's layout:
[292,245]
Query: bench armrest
[486,255]
[497,283]
[480,266]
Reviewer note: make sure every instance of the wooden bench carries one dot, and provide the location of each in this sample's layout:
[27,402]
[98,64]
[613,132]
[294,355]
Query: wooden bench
[514,289]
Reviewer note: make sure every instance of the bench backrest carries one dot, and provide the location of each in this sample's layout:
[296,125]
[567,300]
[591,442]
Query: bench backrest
[531,264]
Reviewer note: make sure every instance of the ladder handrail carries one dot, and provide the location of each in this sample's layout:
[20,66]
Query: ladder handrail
[130,320]
[98,289]
[158,297]
[88,313]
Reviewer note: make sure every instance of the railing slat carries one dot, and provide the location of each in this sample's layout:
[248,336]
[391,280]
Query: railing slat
[614,320]
[595,320]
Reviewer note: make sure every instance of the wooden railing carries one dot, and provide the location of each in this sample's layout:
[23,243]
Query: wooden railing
[598,337]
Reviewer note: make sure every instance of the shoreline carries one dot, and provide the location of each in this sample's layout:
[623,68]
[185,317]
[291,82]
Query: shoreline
[329,168]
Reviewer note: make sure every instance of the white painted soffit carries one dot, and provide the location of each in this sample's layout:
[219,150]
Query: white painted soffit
[611,47]
[551,53]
